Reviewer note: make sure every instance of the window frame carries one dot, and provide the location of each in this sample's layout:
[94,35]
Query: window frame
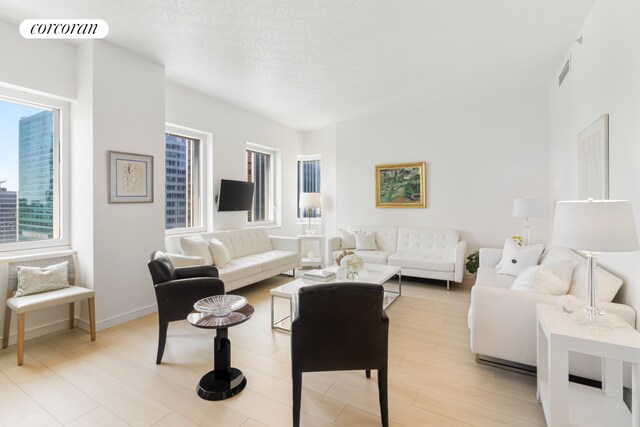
[204,139]
[61,170]
[306,158]
[274,194]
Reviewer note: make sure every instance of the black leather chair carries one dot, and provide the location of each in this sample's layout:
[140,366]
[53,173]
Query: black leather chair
[339,327]
[177,289]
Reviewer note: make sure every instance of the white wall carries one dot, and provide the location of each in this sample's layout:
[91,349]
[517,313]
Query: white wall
[604,78]
[41,66]
[232,128]
[480,156]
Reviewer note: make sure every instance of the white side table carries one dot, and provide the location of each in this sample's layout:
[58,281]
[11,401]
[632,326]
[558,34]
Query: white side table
[317,258]
[573,404]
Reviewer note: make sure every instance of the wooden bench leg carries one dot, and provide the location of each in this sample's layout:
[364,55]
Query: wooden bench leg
[7,325]
[72,315]
[92,318]
[20,338]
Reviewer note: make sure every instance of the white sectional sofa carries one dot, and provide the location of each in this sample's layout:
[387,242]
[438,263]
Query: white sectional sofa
[255,255]
[431,253]
[503,321]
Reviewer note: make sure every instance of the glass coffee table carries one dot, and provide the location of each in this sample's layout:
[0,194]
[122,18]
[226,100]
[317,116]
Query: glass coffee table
[371,273]
[224,381]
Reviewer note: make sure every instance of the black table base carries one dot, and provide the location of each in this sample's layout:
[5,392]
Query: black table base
[221,384]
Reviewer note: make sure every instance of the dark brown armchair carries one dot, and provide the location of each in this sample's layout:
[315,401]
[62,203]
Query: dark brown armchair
[339,327]
[177,289]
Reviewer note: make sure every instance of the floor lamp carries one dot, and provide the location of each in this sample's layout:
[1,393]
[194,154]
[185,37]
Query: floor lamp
[309,201]
[527,208]
[595,226]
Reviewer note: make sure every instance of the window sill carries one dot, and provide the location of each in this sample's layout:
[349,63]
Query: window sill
[174,231]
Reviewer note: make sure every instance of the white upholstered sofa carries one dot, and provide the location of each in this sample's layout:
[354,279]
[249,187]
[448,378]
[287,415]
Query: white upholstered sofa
[255,255]
[432,253]
[503,321]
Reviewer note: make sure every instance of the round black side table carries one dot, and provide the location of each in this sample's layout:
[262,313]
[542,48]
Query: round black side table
[224,381]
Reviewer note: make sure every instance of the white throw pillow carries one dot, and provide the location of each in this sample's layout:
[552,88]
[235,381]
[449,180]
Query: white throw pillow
[540,279]
[219,252]
[34,280]
[365,241]
[515,259]
[347,240]
[196,247]
[608,284]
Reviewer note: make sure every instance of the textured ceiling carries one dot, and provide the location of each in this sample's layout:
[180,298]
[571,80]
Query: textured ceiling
[308,63]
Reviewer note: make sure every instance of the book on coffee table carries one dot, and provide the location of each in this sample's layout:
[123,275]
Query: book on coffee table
[321,275]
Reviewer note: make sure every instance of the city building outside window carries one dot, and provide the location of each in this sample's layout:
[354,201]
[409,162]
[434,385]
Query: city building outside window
[184,178]
[33,171]
[309,168]
[261,171]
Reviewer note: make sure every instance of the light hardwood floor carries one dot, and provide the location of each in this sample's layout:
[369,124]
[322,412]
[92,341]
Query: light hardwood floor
[114,381]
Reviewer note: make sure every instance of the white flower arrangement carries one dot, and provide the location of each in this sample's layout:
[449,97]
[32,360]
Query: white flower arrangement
[352,263]
[518,239]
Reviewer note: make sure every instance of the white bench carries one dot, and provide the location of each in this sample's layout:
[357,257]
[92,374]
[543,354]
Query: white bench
[25,304]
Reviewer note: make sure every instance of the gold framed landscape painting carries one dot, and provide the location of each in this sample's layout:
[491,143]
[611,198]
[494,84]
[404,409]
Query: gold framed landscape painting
[401,185]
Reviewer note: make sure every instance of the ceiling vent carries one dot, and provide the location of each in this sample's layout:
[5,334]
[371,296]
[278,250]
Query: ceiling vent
[565,71]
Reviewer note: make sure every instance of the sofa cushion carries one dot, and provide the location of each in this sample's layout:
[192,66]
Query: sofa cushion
[250,241]
[219,252]
[607,287]
[545,279]
[365,241]
[239,269]
[515,259]
[222,236]
[428,240]
[347,240]
[172,244]
[423,261]
[488,277]
[386,237]
[272,259]
[196,247]
[373,257]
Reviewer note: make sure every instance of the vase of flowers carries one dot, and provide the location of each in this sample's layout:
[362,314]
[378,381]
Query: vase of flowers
[352,263]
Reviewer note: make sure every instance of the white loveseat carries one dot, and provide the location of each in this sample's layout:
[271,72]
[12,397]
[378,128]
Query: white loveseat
[255,255]
[503,321]
[432,253]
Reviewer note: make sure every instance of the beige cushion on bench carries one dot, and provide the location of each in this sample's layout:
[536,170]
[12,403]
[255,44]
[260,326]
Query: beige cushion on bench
[42,300]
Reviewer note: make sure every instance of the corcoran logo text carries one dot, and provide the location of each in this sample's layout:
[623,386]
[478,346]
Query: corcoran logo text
[64,29]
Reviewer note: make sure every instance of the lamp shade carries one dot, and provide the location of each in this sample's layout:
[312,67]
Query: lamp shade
[595,225]
[309,200]
[527,208]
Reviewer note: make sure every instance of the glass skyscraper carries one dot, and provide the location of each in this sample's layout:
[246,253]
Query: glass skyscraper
[35,190]
[8,216]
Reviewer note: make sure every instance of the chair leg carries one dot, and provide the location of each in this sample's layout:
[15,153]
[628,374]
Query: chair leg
[20,338]
[92,318]
[383,394]
[368,373]
[72,315]
[296,378]
[162,339]
[7,326]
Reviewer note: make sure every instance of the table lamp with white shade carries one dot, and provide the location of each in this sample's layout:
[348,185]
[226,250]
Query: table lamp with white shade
[595,226]
[309,201]
[527,208]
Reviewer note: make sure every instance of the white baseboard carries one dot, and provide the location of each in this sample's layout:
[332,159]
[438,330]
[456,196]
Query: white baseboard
[40,330]
[117,320]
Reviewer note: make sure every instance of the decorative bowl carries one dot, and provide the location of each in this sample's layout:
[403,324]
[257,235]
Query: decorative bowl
[220,305]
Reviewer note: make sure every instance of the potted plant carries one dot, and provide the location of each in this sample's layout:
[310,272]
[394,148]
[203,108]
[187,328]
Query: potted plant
[473,262]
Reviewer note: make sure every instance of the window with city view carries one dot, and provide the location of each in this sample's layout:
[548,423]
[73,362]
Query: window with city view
[183,198]
[29,172]
[260,171]
[308,182]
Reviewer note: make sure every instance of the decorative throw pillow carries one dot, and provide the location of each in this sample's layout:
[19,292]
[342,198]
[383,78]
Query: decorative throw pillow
[219,252]
[34,280]
[196,247]
[515,259]
[347,240]
[544,279]
[365,241]
[608,284]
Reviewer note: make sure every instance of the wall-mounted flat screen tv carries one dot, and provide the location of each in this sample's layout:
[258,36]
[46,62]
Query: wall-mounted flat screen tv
[235,195]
